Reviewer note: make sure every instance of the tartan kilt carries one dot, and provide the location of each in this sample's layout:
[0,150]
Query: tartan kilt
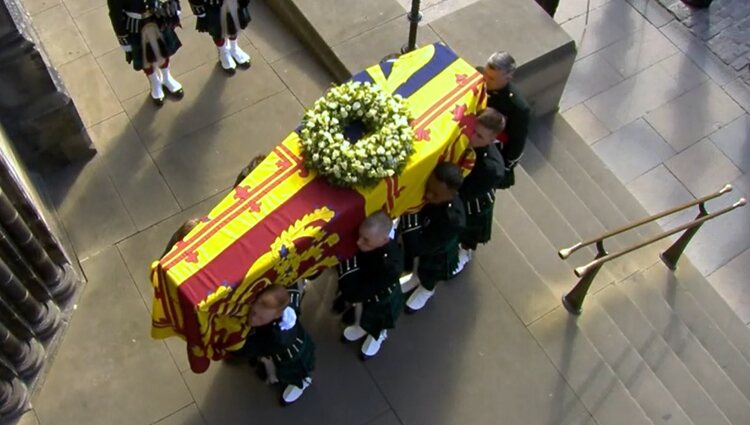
[434,268]
[382,314]
[292,371]
[478,228]
[211,23]
[169,43]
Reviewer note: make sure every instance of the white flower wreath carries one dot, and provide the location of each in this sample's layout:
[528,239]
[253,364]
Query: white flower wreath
[382,152]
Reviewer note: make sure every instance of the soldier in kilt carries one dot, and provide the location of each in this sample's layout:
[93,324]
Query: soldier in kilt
[280,342]
[223,20]
[435,243]
[478,189]
[370,281]
[145,30]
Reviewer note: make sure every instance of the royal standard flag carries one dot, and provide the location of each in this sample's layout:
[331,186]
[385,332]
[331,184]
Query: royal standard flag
[284,223]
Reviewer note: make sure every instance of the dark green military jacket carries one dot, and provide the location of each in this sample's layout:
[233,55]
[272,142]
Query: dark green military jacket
[371,273]
[509,102]
[487,173]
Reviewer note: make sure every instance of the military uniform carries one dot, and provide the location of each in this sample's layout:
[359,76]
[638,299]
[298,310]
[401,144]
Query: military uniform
[478,195]
[434,239]
[292,350]
[224,19]
[509,102]
[145,28]
[372,278]
[221,18]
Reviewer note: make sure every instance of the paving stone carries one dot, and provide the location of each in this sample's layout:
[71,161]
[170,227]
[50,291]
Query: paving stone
[694,115]
[731,282]
[638,51]
[210,95]
[96,29]
[208,161]
[659,190]
[585,123]
[37,6]
[59,35]
[89,207]
[720,240]
[652,11]
[90,91]
[702,168]
[186,416]
[698,52]
[683,71]
[139,183]
[464,370]
[269,36]
[589,77]
[633,97]
[633,150]
[79,7]
[389,418]
[742,184]
[433,10]
[107,369]
[599,33]
[740,92]
[734,142]
[124,80]
[307,79]
[568,10]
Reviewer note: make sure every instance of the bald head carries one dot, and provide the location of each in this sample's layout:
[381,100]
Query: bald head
[375,231]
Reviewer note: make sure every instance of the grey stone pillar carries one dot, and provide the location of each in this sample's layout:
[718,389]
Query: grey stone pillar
[26,357]
[58,280]
[14,396]
[44,319]
[35,109]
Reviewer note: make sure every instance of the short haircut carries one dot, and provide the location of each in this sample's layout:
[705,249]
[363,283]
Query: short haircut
[502,61]
[491,120]
[449,174]
[378,222]
[249,169]
[180,234]
[274,296]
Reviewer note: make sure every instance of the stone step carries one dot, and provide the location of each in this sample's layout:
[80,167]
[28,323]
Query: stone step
[620,196]
[715,306]
[514,277]
[595,383]
[551,222]
[533,244]
[657,348]
[642,383]
[573,209]
[598,201]
[660,285]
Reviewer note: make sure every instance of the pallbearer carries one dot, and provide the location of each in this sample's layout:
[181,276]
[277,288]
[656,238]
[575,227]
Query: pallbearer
[145,30]
[478,188]
[370,281]
[223,20]
[435,238]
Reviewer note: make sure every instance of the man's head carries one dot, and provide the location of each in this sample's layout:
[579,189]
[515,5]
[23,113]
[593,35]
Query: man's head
[499,70]
[489,124]
[249,169]
[374,232]
[185,229]
[268,305]
[443,183]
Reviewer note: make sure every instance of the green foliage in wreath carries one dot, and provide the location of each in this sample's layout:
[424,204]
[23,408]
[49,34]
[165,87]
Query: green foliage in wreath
[383,150]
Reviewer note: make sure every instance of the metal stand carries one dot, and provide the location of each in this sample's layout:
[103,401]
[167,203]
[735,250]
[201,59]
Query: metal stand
[414,16]
[573,300]
[673,253]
